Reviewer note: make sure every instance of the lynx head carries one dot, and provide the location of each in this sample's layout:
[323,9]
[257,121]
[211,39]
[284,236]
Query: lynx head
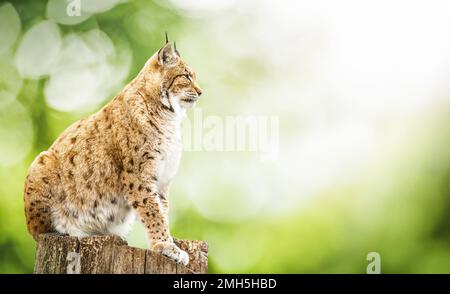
[178,86]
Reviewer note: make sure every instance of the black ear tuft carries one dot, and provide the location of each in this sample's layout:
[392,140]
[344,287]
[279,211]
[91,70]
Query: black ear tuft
[175,48]
[167,38]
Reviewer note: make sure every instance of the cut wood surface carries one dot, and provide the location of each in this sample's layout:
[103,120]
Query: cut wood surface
[57,254]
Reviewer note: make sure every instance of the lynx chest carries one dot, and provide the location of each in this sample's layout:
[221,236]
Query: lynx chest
[169,162]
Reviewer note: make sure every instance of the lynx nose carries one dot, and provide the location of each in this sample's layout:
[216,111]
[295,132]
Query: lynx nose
[197,88]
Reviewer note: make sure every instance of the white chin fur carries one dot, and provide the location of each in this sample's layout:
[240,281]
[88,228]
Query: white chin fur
[179,106]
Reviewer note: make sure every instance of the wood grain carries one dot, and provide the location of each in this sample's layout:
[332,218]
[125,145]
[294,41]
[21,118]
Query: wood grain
[57,254]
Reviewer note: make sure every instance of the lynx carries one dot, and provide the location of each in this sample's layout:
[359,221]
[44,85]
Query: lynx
[118,163]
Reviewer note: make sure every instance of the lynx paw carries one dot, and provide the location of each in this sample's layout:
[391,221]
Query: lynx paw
[171,251]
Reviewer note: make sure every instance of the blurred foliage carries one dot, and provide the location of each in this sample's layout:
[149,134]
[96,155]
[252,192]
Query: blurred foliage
[254,215]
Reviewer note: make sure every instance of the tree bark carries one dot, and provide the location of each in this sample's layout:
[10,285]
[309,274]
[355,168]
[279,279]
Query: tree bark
[57,254]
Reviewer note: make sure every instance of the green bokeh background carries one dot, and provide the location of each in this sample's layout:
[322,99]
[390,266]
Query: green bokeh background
[395,200]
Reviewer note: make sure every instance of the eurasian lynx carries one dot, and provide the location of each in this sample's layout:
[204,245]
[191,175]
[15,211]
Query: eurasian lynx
[118,162]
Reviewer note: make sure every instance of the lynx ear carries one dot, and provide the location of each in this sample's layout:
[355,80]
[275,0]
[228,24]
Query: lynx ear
[167,56]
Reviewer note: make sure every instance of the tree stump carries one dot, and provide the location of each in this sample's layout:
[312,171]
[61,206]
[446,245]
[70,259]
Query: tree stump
[57,254]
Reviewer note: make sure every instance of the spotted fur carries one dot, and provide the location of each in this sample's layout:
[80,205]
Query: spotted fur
[119,162]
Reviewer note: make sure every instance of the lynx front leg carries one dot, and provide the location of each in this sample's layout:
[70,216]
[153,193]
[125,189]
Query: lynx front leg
[163,196]
[151,210]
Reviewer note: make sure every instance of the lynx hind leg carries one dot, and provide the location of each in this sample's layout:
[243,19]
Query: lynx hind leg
[41,184]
